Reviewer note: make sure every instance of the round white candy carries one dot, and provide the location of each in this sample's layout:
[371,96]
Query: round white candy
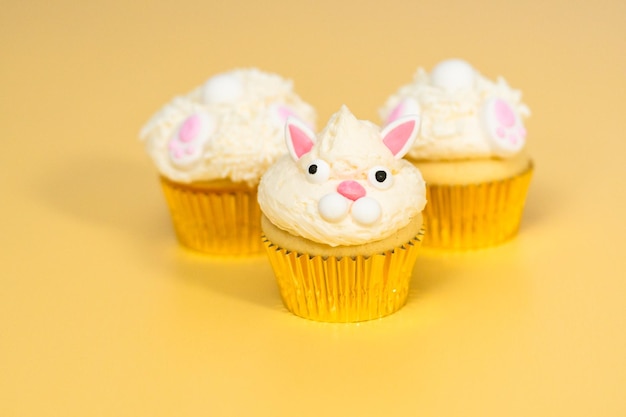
[378,173]
[317,171]
[366,210]
[453,74]
[224,88]
[333,207]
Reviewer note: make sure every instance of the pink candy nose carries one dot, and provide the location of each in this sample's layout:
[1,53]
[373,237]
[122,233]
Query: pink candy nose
[351,190]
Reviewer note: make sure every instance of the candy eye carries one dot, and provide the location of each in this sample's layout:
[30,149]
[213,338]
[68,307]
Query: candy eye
[317,171]
[380,177]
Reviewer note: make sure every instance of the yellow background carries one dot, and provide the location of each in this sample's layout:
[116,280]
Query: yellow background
[103,314]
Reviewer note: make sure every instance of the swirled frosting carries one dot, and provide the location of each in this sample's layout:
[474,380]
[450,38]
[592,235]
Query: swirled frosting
[348,185]
[464,115]
[229,128]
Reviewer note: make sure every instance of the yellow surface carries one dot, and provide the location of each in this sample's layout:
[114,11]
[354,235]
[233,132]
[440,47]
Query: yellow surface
[103,314]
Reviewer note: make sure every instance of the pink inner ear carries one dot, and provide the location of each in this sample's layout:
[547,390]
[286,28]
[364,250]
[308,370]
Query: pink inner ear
[189,130]
[300,141]
[504,113]
[397,137]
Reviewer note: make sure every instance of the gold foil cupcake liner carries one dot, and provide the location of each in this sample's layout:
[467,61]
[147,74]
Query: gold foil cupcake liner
[346,289]
[217,220]
[475,216]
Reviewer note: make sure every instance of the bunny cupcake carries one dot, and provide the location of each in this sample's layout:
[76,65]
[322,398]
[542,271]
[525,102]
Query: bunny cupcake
[471,152]
[342,218]
[211,147]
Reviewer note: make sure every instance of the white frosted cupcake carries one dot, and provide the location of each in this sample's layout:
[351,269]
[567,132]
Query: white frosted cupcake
[211,147]
[342,218]
[471,152]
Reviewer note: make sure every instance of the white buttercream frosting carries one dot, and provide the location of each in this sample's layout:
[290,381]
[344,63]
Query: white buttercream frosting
[347,189]
[464,115]
[232,127]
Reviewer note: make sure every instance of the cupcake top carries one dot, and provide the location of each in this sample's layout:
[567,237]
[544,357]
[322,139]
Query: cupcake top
[463,114]
[229,128]
[346,186]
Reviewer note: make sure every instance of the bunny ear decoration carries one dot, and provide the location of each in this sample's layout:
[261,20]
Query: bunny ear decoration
[299,138]
[399,135]
[407,106]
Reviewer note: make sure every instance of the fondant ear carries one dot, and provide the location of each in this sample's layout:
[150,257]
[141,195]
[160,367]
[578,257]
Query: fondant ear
[399,135]
[283,112]
[299,138]
[405,107]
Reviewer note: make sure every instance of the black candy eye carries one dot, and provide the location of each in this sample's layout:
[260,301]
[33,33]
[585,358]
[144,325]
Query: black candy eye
[318,171]
[380,177]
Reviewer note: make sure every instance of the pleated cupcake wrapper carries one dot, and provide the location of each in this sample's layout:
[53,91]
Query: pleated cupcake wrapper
[218,221]
[475,216]
[346,289]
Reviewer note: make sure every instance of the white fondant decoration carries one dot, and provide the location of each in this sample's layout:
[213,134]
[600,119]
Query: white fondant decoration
[346,209]
[298,137]
[333,207]
[400,134]
[504,127]
[186,145]
[375,174]
[317,171]
[453,74]
[366,210]
[223,88]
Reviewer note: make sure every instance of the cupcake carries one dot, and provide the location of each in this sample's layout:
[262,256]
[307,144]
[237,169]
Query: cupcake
[211,147]
[471,152]
[342,218]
